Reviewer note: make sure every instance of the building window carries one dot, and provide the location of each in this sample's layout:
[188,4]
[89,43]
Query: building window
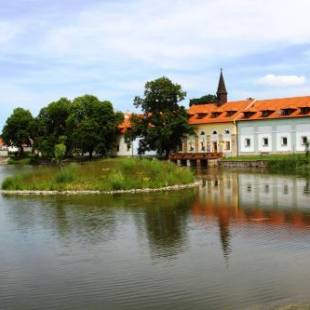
[284,141]
[265,142]
[304,110]
[202,133]
[214,132]
[227,131]
[265,113]
[227,145]
[304,140]
[286,112]
[128,147]
[247,142]
[117,148]
[203,148]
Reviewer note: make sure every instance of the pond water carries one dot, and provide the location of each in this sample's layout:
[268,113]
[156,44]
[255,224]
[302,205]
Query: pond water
[240,241]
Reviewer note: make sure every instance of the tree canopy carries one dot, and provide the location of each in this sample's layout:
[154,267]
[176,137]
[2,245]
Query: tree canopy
[93,125]
[164,122]
[209,98]
[18,129]
[81,126]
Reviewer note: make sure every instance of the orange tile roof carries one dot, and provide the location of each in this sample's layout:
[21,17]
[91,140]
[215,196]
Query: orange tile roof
[125,124]
[222,112]
[212,113]
[1,141]
[276,106]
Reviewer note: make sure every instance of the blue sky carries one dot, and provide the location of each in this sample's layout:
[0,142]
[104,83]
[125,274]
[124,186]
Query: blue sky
[67,48]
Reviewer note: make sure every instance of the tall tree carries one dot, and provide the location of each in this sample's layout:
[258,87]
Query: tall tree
[17,130]
[51,125]
[93,125]
[164,121]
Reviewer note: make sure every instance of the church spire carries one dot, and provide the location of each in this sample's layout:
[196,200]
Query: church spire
[221,90]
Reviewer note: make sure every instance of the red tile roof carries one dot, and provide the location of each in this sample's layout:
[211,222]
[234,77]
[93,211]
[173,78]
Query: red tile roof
[125,124]
[213,113]
[277,106]
[210,113]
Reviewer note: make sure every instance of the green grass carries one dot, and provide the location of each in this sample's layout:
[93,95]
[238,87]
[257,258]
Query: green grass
[109,174]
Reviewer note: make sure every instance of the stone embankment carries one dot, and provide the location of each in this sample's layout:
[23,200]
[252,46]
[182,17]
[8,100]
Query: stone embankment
[263,164]
[87,192]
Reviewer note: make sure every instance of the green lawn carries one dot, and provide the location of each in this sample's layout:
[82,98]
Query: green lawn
[269,157]
[104,175]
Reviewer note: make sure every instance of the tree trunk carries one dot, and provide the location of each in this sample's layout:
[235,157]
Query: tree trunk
[21,151]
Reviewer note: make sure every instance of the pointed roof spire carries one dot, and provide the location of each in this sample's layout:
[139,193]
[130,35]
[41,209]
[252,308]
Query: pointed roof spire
[221,90]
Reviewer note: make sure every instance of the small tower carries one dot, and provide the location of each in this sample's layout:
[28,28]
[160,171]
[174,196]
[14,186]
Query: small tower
[221,90]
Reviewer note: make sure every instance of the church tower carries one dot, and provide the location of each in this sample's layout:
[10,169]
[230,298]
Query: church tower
[221,90]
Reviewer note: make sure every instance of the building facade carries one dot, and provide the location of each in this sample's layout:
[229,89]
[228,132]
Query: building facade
[275,126]
[249,127]
[125,147]
[273,136]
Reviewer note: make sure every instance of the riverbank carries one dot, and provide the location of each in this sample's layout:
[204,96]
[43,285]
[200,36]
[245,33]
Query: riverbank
[91,192]
[103,176]
[292,163]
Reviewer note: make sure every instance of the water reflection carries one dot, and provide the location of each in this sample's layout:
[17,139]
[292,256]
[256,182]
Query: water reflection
[161,217]
[271,201]
[161,250]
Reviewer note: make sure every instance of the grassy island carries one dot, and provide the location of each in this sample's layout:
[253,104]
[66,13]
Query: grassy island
[103,175]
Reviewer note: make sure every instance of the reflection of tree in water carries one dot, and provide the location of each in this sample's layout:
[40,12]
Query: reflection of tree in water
[85,217]
[165,223]
[225,236]
[307,187]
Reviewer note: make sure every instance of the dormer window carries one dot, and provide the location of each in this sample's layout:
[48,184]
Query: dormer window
[201,115]
[248,114]
[286,112]
[266,113]
[230,113]
[215,114]
[304,110]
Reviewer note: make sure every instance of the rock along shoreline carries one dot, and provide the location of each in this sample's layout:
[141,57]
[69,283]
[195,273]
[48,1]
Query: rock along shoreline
[88,192]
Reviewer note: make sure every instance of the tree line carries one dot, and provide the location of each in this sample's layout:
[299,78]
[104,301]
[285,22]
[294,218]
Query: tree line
[88,125]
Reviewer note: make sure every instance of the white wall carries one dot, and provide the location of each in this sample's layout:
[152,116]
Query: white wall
[302,131]
[132,149]
[274,130]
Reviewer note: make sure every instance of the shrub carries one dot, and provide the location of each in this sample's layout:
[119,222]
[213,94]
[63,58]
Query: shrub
[66,174]
[117,180]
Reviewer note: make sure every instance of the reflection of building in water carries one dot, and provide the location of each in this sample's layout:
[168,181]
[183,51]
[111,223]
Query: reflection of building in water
[255,199]
[246,196]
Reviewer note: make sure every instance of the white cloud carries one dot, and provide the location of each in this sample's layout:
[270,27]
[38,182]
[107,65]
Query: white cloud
[282,80]
[179,33]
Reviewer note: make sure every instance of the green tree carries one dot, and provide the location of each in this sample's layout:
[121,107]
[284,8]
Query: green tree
[164,121]
[51,125]
[17,130]
[60,151]
[93,125]
[210,98]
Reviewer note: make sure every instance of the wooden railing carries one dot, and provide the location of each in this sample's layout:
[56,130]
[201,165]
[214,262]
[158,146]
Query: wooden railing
[196,156]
